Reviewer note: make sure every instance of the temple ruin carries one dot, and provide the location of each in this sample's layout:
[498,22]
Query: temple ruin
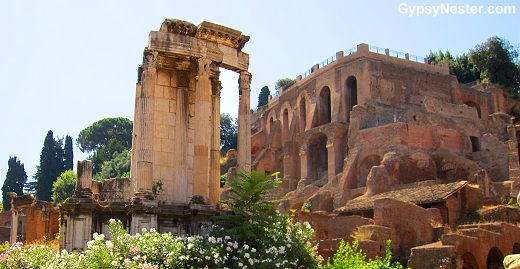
[175,169]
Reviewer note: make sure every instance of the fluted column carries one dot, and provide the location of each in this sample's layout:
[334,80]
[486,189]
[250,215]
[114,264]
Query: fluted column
[203,130]
[244,122]
[142,159]
[214,174]
[84,179]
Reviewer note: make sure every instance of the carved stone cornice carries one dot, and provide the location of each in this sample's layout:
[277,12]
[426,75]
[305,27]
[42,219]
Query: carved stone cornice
[176,26]
[150,59]
[221,35]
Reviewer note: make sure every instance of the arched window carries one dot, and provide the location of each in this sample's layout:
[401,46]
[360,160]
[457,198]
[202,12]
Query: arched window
[352,92]
[324,111]
[495,258]
[477,107]
[285,125]
[317,162]
[303,115]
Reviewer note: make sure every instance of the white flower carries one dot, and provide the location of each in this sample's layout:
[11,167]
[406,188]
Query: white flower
[253,250]
[112,221]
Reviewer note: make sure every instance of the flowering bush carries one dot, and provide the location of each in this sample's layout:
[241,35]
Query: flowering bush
[350,256]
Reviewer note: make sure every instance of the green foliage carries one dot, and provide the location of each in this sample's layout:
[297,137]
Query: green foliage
[117,166]
[51,166]
[460,66]
[63,187]
[68,156]
[263,96]
[350,256]
[284,83]
[15,179]
[248,199]
[228,132]
[223,180]
[104,138]
[497,59]
[99,134]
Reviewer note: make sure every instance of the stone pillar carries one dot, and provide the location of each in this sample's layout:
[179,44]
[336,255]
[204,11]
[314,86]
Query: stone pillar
[214,174]
[331,168]
[303,162]
[84,179]
[14,219]
[203,129]
[244,122]
[143,127]
[514,167]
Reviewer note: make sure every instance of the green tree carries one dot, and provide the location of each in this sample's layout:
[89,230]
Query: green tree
[497,59]
[263,96]
[104,138]
[63,187]
[460,66]
[68,157]
[117,166]
[51,166]
[228,132]
[284,83]
[15,179]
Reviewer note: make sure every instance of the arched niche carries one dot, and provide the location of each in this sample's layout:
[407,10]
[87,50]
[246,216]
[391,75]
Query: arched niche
[317,160]
[364,168]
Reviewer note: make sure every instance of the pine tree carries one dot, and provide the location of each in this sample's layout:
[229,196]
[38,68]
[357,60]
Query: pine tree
[14,181]
[51,166]
[68,157]
[263,96]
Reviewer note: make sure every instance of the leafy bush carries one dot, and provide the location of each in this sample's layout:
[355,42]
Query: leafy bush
[349,256]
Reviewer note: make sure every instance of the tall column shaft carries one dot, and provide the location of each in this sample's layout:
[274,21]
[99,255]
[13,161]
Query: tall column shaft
[214,174]
[203,130]
[244,122]
[143,129]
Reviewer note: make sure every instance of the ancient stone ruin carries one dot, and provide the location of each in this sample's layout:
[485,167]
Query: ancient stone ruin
[175,169]
[370,139]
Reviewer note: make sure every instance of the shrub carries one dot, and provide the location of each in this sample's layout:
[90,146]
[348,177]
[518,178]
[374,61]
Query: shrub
[350,256]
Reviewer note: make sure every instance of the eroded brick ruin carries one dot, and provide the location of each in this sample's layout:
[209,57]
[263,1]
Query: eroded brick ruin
[396,147]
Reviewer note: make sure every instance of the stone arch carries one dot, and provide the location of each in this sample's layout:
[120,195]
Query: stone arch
[494,258]
[469,261]
[323,113]
[476,106]
[351,95]
[271,117]
[418,166]
[303,108]
[327,205]
[364,168]
[317,160]
[286,118]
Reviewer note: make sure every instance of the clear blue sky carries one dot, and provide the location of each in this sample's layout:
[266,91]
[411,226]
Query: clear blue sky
[67,64]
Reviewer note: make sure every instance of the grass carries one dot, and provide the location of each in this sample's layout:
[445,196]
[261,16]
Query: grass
[362,233]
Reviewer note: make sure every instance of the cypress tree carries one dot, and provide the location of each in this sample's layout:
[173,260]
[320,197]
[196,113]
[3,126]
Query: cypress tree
[68,157]
[51,166]
[14,181]
[263,96]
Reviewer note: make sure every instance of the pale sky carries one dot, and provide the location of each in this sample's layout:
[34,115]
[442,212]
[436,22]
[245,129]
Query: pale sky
[68,64]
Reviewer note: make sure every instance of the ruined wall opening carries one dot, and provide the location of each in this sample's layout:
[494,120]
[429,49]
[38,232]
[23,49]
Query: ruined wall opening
[303,115]
[271,121]
[495,258]
[516,248]
[475,145]
[469,261]
[352,91]
[323,109]
[364,169]
[317,162]
[285,125]
[477,107]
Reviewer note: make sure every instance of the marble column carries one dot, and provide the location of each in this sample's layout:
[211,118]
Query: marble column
[203,130]
[244,122]
[142,154]
[84,178]
[214,174]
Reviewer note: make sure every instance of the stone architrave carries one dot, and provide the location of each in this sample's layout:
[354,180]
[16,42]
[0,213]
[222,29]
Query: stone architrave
[244,122]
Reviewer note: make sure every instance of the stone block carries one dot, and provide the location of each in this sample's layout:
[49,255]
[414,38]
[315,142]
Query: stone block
[161,131]
[170,93]
[159,91]
[163,79]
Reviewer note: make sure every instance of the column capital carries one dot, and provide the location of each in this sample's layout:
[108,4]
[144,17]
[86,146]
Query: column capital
[244,80]
[204,66]
[150,59]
